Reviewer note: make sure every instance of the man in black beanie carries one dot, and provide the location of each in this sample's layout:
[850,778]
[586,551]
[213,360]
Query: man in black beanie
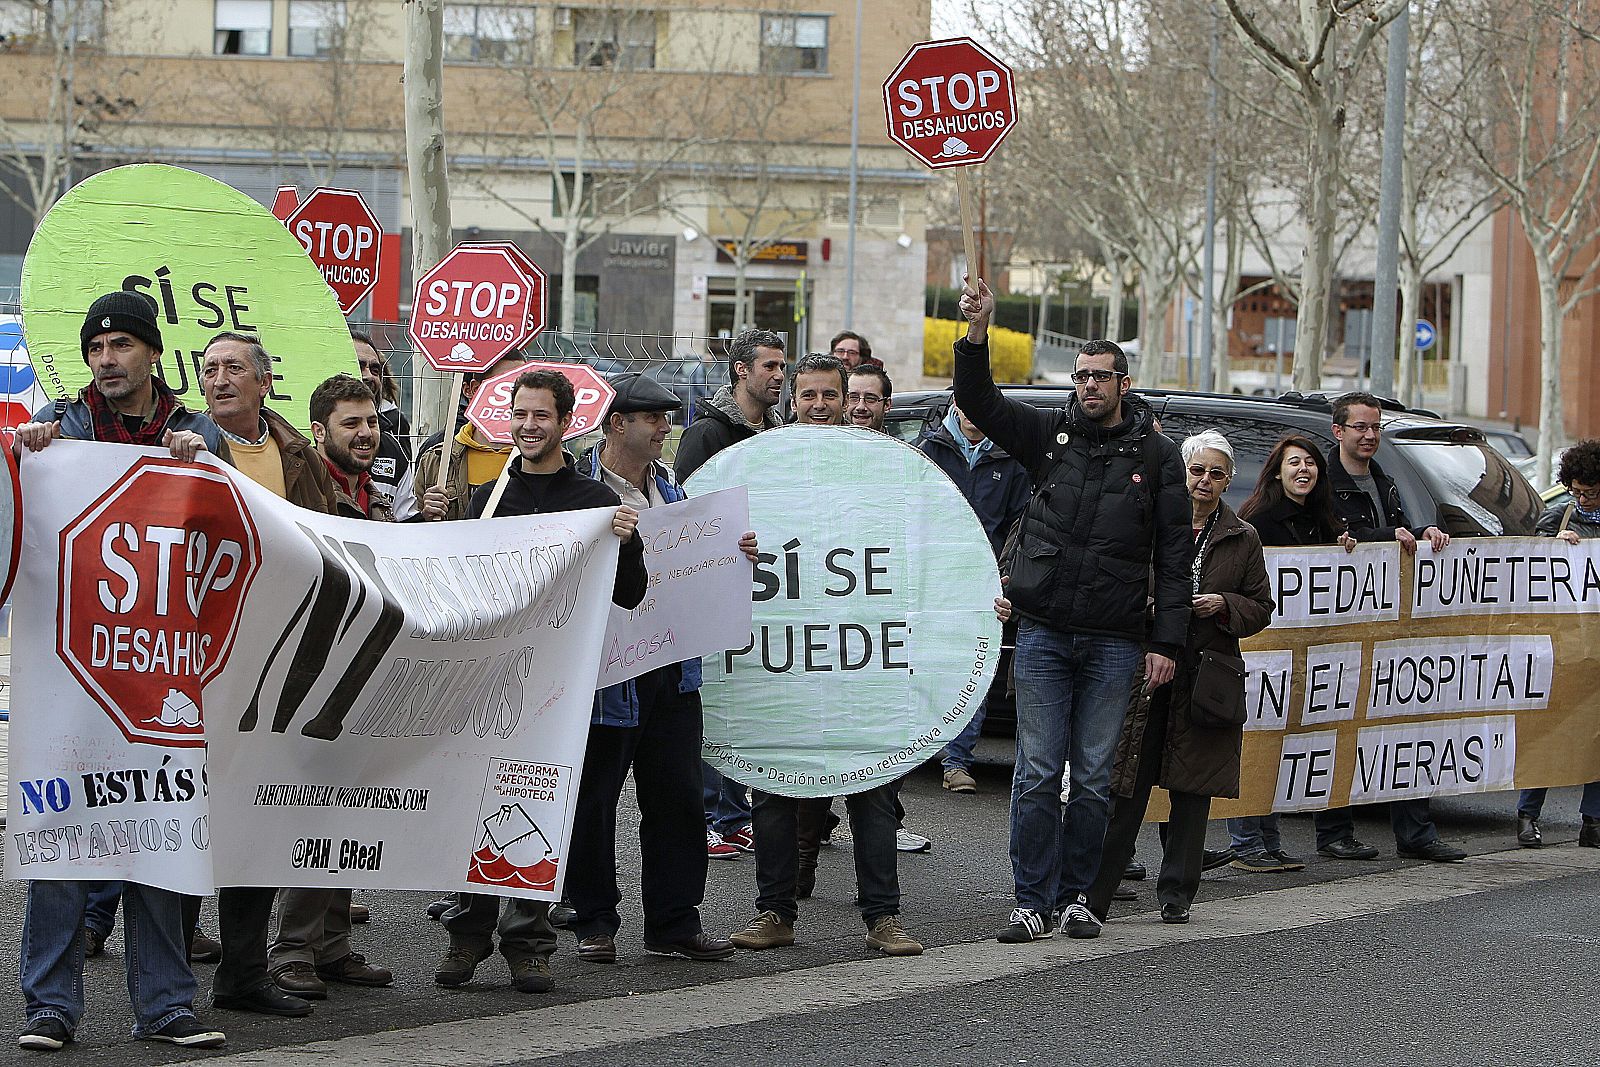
[126,403]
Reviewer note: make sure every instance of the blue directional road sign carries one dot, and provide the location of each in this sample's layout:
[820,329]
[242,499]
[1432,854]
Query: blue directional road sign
[1426,335]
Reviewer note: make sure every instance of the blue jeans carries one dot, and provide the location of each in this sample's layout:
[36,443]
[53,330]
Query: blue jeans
[727,801]
[160,984]
[1254,835]
[958,753]
[1530,802]
[1072,697]
[101,914]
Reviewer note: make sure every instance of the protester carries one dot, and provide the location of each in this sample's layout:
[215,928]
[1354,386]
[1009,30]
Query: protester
[1572,522]
[853,350]
[126,403]
[1292,504]
[542,402]
[818,390]
[869,397]
[380,381]
[473,461]
[235,379]
[312,946]
[1107,511]
[1186,736]
[650,726]
[391,470]
[997,488]
[739,410]
[1368,503]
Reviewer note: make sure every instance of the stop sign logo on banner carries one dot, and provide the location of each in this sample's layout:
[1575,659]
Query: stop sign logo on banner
[154,576]
[473,308]
[490,408]
[341,235]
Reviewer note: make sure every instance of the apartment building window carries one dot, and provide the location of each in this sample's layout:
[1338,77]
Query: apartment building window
[875,211]
[316,27]
[243,28]
[29,23]
[609,39]
[488,33]
[794,43]
[611,195]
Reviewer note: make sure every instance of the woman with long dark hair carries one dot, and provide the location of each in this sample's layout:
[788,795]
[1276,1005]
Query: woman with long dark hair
[1292,505]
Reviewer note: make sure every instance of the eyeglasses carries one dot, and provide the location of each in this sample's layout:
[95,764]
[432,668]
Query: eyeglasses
[1217,473]
[1081,376]
[847,351]
[1583,494]
[864,398]
[1359,428]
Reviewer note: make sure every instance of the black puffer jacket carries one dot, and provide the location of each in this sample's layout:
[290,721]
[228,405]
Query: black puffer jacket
[1094,543]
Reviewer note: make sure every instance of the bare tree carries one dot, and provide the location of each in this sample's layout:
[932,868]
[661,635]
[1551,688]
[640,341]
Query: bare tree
[1534,132]
[1314,48]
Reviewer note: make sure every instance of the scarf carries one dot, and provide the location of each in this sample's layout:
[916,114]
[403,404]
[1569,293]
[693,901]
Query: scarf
[110,427]
[969,451]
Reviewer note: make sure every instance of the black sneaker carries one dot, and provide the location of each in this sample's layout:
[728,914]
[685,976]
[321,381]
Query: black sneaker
[1025,925]
[1078,921]
[94,943]
[561,914]
[45,1034]
[1215,858]
[187,1032]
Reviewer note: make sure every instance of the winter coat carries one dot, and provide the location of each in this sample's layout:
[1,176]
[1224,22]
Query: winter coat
[78,425]
[718,423]
[306,482]
[1550,522]
[618,705]
[1352,504]
[1287,523]
[997,486]
[1198,757]
[1099,520]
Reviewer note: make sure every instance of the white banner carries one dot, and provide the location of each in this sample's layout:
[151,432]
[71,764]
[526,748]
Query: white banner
[213,687]
[691,550]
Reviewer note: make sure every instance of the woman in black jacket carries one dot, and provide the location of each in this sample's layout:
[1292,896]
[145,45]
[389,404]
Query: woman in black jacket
[1292,505]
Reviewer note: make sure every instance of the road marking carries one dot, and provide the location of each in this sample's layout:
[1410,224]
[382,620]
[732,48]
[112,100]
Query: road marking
[594,1024]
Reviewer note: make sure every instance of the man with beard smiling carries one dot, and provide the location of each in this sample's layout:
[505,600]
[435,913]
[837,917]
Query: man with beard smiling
[540,483]
[869,397]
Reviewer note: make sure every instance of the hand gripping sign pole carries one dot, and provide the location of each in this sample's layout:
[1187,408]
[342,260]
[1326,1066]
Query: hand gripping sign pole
[950,103]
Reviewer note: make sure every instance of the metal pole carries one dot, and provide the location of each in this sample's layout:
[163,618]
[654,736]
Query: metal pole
[1381,341]
[855,151]
[1209,260]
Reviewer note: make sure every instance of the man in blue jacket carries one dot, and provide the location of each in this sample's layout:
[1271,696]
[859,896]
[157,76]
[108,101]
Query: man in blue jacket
[651,724]
[998,489]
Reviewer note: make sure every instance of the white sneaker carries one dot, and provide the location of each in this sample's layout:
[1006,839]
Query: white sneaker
[717,848]
[1078,921]
[906,841]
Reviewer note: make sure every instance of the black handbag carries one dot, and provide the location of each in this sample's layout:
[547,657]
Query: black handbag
[1217,697]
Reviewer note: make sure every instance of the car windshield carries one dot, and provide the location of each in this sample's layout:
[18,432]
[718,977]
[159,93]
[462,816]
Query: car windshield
[1478,491]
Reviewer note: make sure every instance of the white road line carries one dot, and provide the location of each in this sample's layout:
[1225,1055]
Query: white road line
[594,1024]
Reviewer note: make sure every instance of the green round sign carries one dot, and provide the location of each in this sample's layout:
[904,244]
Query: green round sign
[210,257]
[873,634]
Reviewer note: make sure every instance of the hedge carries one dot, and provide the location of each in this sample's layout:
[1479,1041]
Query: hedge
[1010,351]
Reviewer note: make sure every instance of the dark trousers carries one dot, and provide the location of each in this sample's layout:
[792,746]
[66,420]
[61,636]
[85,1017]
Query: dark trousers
[1184,843]
[664,753]
[243,915]
[1413,826]
[872,826]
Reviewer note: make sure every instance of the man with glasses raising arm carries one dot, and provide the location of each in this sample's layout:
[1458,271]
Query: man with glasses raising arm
[1366,500]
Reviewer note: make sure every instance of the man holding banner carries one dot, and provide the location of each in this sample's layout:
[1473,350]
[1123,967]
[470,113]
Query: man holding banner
[126,403]
[650,725]
[1108,523]
[542,402]
[473,461]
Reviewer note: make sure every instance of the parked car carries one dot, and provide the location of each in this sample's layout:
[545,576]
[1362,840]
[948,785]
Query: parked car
[1448,474]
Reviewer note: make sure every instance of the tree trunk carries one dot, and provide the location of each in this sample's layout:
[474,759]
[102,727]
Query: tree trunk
[569,274]
[433,394]
[1551,431]
[1316,275]
[741,320]
[1221,349]
[1407,390]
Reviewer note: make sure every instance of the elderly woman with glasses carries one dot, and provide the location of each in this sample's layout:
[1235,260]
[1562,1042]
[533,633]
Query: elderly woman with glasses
[1186,736]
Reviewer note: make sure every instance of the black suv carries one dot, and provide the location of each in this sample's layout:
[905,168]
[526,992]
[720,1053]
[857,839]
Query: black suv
[1447,472]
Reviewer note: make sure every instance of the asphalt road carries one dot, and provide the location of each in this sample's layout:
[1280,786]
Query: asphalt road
[1394,961]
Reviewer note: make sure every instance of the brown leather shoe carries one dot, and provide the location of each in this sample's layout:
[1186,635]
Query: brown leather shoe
[301,980]
[597,949]
[355,970]
[701,947]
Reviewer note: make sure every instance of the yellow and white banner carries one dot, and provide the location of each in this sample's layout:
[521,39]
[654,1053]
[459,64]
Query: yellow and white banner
[214,687]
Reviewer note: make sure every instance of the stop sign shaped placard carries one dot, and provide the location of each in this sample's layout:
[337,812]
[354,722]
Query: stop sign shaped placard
[473,308]
[153,581]
[950,103]
[341,235]
[490,408]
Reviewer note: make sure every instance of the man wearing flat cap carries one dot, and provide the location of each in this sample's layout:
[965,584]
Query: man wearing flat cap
[651,724]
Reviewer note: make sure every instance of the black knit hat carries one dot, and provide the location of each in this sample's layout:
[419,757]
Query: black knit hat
[123,310]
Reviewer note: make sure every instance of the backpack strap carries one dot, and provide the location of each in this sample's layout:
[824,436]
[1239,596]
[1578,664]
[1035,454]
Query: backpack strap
[1566,518]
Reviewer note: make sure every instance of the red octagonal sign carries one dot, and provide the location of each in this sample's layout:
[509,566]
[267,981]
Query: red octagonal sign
[490,408]
[473,308]
[153,581]
[950,103]
[342,237]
